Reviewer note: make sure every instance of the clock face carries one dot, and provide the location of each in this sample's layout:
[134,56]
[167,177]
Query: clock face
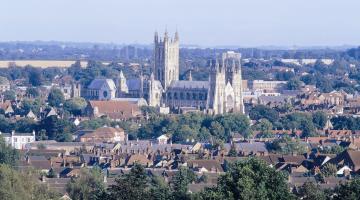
[105,94]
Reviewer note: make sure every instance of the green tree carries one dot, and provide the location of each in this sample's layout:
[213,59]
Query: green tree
[160,190]
[265,127]
[75,105]
[9,95]
[349,190]
[32,92]
[329,170]
[134,185]
[22,186]
[319,119]
[8,155]
[249,180]
[260,111]
[56,97]
[88,186]
[311,191]
[182,178]
[57,129]
[293,84]
[35,76]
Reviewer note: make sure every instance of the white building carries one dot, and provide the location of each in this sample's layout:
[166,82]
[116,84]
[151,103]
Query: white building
[18,140]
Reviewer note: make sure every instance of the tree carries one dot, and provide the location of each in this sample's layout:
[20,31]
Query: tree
[57,129]
[250,179]
[8,155]
[15,185]
[9,95]
[56,97]
[329,170]
[182,178]
[160,190]
[131,186]
[88,186]
[32,92]
[35,76]
[233,152]
[293,84]
[310,191]
[260,111]
[349,190]
[265,127]
[319,119]
[75,105]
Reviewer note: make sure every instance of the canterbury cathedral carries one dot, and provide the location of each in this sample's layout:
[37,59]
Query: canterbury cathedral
[222,93]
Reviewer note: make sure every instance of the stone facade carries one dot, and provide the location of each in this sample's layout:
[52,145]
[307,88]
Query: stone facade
[166,59]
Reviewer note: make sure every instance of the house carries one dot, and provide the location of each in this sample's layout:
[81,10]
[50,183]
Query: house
[348,158]
[248,148]
[205,166]
[4,84]
[104,134]
[18,140]
[115,110]
[31,115]
[7,107]
[162,139]
[139,159]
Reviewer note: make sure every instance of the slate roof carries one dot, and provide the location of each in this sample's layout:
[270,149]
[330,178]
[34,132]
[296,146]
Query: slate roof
[97,84]
[189,84]
[134,84]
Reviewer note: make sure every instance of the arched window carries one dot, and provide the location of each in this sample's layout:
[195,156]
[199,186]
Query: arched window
[175,95]
[181,95]
[200,96]
[169,95]
[188,96]
[194,96]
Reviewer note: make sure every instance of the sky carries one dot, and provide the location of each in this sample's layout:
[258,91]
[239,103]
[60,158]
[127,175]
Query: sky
[244,23]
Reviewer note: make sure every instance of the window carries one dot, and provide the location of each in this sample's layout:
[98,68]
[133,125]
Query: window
[188,96]
[105,94]
[181,95]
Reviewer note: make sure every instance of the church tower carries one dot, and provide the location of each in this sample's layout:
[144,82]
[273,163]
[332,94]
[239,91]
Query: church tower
[122,87]
[166,59]
[232,63]
[216,88]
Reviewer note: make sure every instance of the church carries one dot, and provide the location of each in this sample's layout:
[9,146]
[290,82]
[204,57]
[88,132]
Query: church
[222,93]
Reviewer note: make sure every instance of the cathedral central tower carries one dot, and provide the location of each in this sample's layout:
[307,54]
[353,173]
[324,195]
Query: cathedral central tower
[166,59]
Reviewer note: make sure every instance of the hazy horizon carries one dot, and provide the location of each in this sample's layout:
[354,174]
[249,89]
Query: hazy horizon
[205,23]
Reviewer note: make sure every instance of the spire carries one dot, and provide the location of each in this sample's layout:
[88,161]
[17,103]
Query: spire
[176,36]
[156,37]
[190,76]
[166,37]
[152,76]
[121,75]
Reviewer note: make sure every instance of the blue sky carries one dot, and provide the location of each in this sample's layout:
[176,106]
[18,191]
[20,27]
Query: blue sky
[202,22]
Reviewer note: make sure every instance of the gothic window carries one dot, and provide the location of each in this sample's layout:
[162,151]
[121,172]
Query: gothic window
[169,95]
[205,96]
[200,96]
[194,96]
[188,96]
[181,96]
[175,95]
